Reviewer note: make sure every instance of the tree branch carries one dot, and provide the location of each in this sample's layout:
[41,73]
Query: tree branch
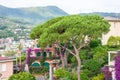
[70,52]
[74,46]
[81,46]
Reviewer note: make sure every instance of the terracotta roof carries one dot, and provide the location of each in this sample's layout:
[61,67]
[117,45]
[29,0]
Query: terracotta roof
[4,58]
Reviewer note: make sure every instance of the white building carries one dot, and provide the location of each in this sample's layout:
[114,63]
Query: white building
[114,29]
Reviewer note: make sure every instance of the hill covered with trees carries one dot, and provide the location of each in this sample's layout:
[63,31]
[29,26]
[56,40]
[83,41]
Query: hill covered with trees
[12,19]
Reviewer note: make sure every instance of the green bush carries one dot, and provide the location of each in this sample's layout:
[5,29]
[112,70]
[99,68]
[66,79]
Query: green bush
[114,41]
[23,58]
[95,43]
[38,70]
[99,77]
[64,74]
[92,65]
[84,76]
[22,76]
[100,54]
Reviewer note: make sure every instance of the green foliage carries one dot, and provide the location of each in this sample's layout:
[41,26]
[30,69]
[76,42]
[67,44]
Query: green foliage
[20,46]
[100,54]
[31,16]
[22,76]
[23,57]
[6,33]
[114,41]
[92,65]
[64,74]
[69,27]
[84,74]
[99,77]
[73,59]
[95,43]
[39,70]
[85,54]
[11,20]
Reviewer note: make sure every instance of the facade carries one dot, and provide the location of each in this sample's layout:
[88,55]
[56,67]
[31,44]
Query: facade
[114,29]
[6,68]
[37,53]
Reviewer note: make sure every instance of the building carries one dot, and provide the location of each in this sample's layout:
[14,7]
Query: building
[6,68]
[114,29]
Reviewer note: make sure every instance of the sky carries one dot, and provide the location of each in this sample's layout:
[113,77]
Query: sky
[69,6]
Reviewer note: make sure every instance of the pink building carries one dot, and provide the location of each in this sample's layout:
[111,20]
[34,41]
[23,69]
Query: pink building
[6,68]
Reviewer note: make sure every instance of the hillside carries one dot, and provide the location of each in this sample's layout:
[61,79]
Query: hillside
[20,21]
[32,15]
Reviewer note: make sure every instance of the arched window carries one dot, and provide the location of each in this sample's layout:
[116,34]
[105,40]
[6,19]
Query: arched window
[36,64]
[46,64]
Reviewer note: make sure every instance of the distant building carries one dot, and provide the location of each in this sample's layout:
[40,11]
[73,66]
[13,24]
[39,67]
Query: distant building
[114,29]
[6,68]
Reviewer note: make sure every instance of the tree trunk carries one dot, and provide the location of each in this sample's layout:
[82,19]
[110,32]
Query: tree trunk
[79,65]
[62,59]
[65,59]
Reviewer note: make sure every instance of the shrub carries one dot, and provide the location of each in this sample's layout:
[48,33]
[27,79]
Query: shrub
[84,75]
[95,43]
[66,75]
[99,77]
[114,41]
[22,76]
[62,73]
[92,65]
[100,54]
[23,58]
[38,70]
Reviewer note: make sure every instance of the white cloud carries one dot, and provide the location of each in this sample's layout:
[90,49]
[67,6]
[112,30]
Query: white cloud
[70,6]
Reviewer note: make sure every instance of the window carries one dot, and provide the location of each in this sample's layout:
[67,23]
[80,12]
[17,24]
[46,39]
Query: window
[38,54]
[3,67]
[44,54]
